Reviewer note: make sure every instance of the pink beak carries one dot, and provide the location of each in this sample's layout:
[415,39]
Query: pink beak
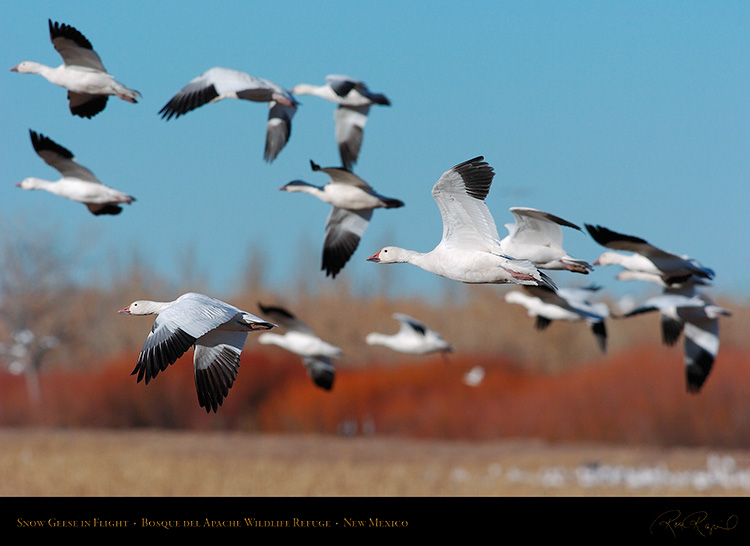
[374,258]
[125,311]
[14,69]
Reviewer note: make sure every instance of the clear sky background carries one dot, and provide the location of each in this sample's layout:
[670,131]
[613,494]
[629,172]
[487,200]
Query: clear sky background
[633,115]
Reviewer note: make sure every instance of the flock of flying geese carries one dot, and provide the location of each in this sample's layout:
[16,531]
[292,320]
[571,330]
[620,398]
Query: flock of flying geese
[470,250]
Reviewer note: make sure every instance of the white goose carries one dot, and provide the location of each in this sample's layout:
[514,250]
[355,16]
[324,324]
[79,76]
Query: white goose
[413,337]
[645,257]
[219,83]
[77,182]
[354,100]
[538,236]
[216,329]
[82,73]
[685,309]
[300,339]
[569,304]
[474,376]
[470,249]
[353,201]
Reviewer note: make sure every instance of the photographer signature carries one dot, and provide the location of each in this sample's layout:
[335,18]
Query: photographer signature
[674,521]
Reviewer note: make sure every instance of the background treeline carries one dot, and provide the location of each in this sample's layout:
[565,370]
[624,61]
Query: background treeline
[74,368]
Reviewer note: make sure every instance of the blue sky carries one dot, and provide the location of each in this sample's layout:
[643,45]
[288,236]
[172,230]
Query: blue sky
[634,115]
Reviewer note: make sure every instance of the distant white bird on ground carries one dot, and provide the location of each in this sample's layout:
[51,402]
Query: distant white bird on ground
[475,376]
[686,309]
[353,201]
[354,100]
[301,340]
[219,83]
[537,236]
[82,73]
[470,249]
[77,182]
[569,304]
[413,337]
[216,329]
[646,258]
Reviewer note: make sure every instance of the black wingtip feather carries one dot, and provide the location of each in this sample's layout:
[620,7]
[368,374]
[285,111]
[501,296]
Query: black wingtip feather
[477,175]
[42,143]
[605,236]
[58,30]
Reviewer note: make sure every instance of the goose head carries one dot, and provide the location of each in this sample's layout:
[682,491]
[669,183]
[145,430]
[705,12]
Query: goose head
[389,255]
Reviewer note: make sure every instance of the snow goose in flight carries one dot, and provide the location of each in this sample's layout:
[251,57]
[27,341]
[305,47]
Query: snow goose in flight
[300,339]
[537,236]
[645,257]
[82,73]
[354,100]
[216,329]
[219,83]
[353,201]
[470,249]
[413,337]
[77,182]
[569,304]
[684,309]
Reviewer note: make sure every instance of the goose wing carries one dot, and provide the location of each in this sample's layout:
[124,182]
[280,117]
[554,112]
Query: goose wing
[701,345]
[350,124]
[215,365]
[340,175]
[73,47]
[460,194]
[321,370]
[283,317]
[411,326]
[343,85]
[221,83]
[278,128]
[344,229]
[536,227]
[60,158]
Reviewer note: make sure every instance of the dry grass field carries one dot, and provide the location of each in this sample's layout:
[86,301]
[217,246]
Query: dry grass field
[159,463]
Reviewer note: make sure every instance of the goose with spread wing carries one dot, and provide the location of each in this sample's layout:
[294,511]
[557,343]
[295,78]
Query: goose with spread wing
[353,202]
[470,249]
[537,236]
[685,309]
[645,257]
[413,337]
[77,182]
[82,73]
[569,304]
[220,83]
[354,100]
[217,330]
[301,340]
